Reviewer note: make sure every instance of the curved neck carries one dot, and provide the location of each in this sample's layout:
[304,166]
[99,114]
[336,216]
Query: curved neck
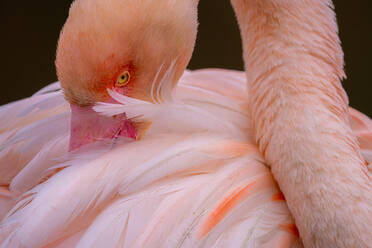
[294,64]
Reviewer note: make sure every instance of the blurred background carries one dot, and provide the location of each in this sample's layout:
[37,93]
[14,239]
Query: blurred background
[31,28]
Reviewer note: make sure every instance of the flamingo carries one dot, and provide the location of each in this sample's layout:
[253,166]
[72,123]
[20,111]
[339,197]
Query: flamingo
[145,163]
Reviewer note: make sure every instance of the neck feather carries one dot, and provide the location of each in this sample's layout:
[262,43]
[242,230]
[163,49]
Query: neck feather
[294,64]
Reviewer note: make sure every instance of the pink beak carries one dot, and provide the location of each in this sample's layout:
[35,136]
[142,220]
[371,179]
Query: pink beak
[88,126]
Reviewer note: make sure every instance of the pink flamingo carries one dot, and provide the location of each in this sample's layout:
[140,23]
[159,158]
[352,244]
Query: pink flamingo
[150,167]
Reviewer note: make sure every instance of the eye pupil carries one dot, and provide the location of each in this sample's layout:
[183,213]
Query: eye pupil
[123,79]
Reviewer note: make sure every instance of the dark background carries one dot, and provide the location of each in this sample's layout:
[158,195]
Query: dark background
[29,33]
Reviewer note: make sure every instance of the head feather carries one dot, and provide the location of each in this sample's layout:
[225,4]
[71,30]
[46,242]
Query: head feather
[102,37]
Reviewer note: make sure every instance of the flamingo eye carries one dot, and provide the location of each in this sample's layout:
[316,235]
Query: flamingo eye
[123,79]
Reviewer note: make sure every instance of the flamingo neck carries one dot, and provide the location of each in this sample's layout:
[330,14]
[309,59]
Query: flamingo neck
[294,64]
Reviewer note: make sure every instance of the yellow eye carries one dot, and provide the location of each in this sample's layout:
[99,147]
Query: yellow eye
[123,79]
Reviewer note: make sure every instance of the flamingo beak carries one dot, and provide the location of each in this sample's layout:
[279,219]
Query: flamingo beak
[88,126]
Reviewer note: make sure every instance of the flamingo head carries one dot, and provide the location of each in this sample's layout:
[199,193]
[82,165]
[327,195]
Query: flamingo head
[124,46]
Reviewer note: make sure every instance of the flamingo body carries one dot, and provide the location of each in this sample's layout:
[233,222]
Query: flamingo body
[138,193]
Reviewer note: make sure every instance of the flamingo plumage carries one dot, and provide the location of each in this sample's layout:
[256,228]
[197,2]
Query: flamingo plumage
[145,163]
